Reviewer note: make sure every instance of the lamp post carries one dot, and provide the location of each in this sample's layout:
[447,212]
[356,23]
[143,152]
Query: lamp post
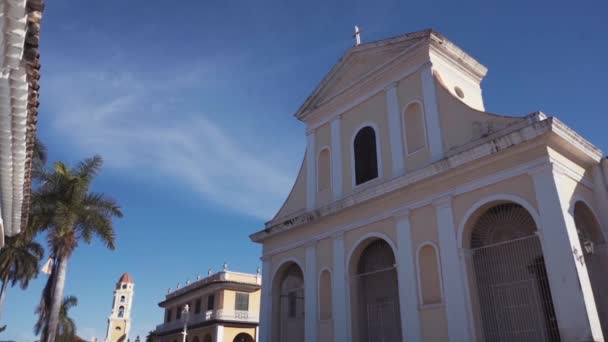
[185,315]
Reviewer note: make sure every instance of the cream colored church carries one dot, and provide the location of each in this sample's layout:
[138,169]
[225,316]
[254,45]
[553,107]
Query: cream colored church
[419,216]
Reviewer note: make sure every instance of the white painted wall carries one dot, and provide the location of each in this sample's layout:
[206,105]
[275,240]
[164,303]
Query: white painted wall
[568,278]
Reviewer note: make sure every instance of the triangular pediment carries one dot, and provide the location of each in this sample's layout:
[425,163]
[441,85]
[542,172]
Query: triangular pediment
[357,63]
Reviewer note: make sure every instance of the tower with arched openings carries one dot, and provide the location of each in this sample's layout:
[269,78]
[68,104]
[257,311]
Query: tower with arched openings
[419,216]
[119,322]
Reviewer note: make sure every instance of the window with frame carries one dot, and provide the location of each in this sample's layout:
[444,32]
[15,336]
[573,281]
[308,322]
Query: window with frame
[121,311]
[292,303]
[241,302]
[178,312]
[366,155]
[210,302]
[197,306]
[168,315]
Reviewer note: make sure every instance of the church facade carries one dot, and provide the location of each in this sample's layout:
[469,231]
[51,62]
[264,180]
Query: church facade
[419,216]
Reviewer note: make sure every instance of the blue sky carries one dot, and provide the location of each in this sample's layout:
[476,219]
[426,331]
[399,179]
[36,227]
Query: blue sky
[191,103]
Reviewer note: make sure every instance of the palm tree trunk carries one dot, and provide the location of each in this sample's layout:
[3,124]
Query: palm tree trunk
[2,293]
[57,299]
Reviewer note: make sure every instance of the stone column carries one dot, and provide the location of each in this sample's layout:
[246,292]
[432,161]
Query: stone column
[406,273]
[336,157]
[431,113]
[395,130]
[568,278]
[266,303]
[311,170]
[338,295]
[453,279]
[310,294]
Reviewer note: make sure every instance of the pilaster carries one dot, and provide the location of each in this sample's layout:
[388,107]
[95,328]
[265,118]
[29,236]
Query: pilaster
[568,278]
[408,299]
[310,294]
[341,329]
[219,333]
[431,115]
[266,304]
[395,130]
[336,157]
[311,170]
[453,279]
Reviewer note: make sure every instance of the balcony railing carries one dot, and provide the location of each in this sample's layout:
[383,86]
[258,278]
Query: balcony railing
[221,314]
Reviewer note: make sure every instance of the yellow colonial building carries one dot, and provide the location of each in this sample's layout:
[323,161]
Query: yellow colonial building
[419,216]
[223,307]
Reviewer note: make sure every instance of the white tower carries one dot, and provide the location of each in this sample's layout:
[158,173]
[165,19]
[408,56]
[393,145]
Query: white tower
[119,321]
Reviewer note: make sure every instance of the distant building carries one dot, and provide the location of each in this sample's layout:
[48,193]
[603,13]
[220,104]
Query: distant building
[119,322]
[223,307]
[19,76]
[419,216]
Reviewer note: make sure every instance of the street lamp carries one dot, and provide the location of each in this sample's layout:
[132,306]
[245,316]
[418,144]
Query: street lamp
[185,315]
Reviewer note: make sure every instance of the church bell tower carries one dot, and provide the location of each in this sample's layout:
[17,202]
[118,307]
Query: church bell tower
[119,321]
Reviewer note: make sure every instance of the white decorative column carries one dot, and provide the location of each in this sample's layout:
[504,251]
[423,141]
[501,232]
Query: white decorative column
[336,157]
[600,195]
[571,290]
[266,304]
[310,294]
[311,170]
[431,113]
[219,333]
[408,296]
[453,279]
[338,295]
[395,130]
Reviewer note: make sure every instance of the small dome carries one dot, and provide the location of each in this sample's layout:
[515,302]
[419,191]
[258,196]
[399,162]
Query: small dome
[125,278]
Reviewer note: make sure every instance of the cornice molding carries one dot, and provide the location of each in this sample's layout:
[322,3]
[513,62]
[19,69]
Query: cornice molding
[491,145]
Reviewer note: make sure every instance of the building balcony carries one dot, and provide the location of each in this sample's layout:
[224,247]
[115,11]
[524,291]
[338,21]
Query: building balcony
[212,315]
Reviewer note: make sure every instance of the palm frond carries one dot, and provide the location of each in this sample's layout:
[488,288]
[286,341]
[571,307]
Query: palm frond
[89,168]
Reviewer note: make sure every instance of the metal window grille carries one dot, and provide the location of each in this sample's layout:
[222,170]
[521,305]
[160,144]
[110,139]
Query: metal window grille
[514,294]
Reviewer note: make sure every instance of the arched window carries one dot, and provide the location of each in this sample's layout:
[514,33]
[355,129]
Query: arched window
[325,304]
[122,299]
[593,247]
[323,170]
[207,338]
[121,311]
[366,155]
[288,304]
[513,296]
[415,135]
[429,276]
[243,337]
[375,294]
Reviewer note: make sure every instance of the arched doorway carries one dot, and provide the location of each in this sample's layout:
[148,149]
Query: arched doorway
[243,337]
[594,249]
[374,293]
[510,287]
[288,304]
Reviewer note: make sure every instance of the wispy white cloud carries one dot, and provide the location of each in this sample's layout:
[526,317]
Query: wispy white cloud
[132,121]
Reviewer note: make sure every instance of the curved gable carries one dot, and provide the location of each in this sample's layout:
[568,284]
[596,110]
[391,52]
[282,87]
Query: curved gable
[296,200]
[462,124]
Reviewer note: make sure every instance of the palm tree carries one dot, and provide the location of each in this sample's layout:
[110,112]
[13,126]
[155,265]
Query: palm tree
[66,329]
[66,208]
[19,260]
